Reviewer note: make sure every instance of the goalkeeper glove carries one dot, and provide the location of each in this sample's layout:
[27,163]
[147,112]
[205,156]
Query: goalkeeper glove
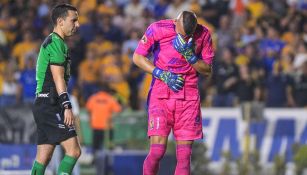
[173,81]
[185,49]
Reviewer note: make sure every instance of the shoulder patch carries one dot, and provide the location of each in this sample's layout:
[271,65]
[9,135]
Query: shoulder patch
[144,39]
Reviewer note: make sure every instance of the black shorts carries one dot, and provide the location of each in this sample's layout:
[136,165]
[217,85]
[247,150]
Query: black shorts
[49,120]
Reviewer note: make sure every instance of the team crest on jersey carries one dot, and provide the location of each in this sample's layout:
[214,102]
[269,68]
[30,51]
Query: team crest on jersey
[144,39]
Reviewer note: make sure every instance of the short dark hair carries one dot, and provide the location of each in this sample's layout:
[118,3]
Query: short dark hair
[189,22]
[61,11]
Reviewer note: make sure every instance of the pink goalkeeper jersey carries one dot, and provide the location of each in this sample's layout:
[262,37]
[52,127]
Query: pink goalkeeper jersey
[158,39]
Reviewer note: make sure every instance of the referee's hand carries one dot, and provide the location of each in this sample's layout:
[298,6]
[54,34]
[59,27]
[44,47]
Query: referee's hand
[68,117]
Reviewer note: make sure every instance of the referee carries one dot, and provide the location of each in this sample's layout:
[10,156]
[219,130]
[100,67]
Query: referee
[52,109]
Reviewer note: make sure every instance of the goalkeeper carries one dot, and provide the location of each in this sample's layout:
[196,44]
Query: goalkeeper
[182,49]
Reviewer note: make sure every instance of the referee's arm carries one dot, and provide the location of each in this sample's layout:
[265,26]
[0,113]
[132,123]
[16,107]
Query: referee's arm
[58,77]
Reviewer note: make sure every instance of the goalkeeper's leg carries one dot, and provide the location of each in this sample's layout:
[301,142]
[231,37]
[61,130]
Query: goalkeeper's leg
[156,153]
[183,156]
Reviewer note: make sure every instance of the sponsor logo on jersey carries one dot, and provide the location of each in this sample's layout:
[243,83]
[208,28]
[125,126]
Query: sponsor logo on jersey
[43,95]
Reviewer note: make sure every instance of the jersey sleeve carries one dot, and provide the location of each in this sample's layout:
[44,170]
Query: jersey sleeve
[56,52]
[207,52]
[146,43]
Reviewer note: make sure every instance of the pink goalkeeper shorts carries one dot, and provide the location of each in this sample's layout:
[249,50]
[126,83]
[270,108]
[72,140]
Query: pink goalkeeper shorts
[183,116]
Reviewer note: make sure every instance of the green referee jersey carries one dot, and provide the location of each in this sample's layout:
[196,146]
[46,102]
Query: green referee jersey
[53,51]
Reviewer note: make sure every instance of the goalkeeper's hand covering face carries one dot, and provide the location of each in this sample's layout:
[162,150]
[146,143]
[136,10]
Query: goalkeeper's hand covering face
[186,24]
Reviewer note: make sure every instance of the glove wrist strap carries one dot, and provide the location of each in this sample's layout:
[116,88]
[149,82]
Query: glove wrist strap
[193,59]
[157,72]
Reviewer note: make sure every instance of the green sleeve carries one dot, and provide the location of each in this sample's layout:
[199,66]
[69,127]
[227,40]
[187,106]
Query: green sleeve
[56,53]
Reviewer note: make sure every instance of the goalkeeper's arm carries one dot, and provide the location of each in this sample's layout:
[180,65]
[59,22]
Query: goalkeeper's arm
[201,67]
[187,51]
[174,81]
[143,63]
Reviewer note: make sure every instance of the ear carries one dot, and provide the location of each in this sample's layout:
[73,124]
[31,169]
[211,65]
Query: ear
[60,21]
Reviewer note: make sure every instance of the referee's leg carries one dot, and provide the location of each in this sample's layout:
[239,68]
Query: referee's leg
[43,156]
[72,153]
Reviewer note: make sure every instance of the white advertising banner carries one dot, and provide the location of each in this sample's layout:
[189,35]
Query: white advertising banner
[225,130]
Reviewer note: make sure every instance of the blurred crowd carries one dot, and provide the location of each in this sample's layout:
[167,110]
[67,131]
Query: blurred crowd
[260,48]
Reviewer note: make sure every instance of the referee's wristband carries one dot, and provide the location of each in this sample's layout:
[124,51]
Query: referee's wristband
[64,100]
